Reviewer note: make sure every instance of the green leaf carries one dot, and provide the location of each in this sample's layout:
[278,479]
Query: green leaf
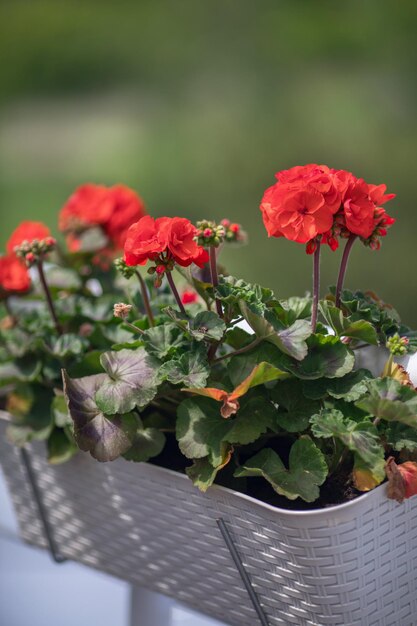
[191,369]
[390,401]
[201,430]
[400,437]
[294,409]
[60,412]
[327,357]
[131,381]
[60,448]
[88,365]
[362,438]
[351,387]
[69,344]
[30,406]
[306,472]
[163,341]
[24,369]
[345,327]
[240,366]
[206,325]
[104,437]
[291,340]
[233,291]
[202,472]
[253,420]
[292,309]
[147,443]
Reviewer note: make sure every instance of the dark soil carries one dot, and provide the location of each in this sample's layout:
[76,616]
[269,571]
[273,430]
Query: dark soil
[336,490]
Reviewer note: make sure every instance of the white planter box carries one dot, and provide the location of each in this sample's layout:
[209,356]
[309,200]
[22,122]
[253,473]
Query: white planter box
[349,565]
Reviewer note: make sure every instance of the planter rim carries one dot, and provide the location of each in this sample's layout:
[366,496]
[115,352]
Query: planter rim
[374,493]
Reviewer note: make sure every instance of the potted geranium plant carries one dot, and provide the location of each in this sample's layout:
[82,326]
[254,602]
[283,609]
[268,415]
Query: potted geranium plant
[200,373]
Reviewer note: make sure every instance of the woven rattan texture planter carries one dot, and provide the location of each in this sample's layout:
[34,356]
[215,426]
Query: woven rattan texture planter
[352,565]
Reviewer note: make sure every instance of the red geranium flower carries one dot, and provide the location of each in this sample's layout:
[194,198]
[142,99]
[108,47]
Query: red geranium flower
[14,276]
[319,177]
[298,213]
[164,241]
[359,209]
[145,241]
[27,231]
[114,209]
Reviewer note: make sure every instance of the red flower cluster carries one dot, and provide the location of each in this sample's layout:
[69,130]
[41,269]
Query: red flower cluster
[314,203]
[114,209]
[14,276]
[27,232]
[165,241]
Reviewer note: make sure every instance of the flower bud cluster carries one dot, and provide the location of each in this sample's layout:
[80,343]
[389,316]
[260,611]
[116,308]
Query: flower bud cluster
[33,251]
[209,234]
[397,345]
[233,232]
[162,265]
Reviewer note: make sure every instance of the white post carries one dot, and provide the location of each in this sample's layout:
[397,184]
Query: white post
[150,609]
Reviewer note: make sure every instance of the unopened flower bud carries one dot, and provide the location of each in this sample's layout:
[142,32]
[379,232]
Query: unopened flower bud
[397,345]
[311,247]
[160,269]
[207,232]
[30,258]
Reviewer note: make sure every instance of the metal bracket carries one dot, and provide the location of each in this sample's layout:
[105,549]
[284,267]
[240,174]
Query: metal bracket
[241,569]
[55,554]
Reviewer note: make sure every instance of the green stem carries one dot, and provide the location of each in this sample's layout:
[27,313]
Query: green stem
[215,278]
[145,298]
[343,267]
[133,327]
[48,296]
[240,351]
[316,286]
[175,292]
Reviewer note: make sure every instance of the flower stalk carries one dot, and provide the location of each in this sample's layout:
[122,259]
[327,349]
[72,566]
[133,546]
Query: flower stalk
[316,286]
[215,277]
[343,267]
[145,298]
[48,297]
[175,292]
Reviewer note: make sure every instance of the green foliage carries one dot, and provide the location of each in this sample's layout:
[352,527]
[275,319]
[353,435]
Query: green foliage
[362,439]
[294,409]
[387,399]
[307,470]
[348,327]
[147,443]
[190,369]
[327,357]
[105,437]
[131,381]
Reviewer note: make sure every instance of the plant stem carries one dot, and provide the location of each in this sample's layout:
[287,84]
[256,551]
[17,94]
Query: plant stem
[145,298]
[133,327]
[215,277]
[48,296]
[8,309]
[240,351]
[343,267]
[316,286]
[175,292]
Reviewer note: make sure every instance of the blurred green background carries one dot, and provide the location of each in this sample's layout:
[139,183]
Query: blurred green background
[197,104]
